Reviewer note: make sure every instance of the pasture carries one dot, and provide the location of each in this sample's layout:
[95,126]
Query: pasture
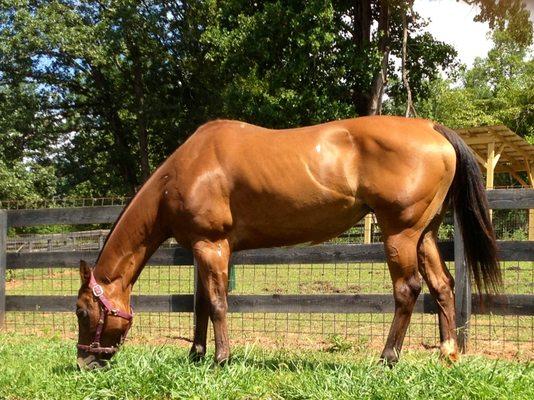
[44,368]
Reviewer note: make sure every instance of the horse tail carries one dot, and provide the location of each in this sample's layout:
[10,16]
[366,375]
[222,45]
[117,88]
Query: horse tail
[468,197]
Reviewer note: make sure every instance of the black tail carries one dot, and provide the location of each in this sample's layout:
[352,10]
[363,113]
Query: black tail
[468,197]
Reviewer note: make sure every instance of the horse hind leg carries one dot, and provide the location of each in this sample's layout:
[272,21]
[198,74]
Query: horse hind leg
[440,283]
[401,253]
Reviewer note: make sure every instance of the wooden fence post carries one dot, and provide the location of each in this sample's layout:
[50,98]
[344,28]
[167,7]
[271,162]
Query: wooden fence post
[3,250]
[462,289]
[367,229]
[195,285]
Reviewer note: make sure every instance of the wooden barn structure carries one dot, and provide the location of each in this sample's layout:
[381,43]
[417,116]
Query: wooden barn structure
[499,150]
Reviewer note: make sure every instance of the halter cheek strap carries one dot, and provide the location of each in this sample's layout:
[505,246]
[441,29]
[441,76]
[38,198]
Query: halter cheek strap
[106,309]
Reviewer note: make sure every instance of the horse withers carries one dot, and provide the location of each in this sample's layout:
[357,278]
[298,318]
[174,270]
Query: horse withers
[234,186]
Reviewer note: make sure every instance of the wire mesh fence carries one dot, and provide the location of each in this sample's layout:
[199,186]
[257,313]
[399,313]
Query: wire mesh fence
[496,334]
[63,202]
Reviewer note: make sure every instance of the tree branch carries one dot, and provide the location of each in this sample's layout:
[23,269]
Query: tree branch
[377,89]
[410,109]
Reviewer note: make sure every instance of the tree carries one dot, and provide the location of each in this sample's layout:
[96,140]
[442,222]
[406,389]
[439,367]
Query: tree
[498,89]
[103,90]
[106,72]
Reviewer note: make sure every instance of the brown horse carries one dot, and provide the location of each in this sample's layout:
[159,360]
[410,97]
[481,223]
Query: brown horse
[234,186]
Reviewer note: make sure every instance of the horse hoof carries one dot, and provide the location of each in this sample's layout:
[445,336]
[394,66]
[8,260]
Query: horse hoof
[389,358]
[451,358]
[197,353]
[222,359]
[449,351]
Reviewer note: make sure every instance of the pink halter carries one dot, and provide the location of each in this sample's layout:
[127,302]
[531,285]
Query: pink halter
[105,309]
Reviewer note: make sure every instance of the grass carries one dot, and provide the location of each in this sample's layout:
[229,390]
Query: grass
[45,369]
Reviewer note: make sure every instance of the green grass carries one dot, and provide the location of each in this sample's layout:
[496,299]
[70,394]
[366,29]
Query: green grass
[45,369]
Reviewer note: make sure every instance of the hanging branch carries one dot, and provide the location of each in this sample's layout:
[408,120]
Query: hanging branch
[410,109]
[379,82]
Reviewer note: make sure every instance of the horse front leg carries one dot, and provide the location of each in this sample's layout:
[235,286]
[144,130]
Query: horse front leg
[401,252]
[198,349]
[212,258]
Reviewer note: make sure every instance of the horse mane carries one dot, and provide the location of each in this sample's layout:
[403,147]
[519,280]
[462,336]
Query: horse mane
[115,225]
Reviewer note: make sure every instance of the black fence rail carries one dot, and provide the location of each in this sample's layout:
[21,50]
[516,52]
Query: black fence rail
[467,304]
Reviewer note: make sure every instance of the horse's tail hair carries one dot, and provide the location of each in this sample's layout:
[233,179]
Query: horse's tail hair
[468,197]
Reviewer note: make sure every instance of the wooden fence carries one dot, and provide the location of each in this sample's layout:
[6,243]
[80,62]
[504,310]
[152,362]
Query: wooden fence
[330,303]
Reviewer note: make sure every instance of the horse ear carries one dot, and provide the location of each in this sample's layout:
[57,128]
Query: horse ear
[85,272]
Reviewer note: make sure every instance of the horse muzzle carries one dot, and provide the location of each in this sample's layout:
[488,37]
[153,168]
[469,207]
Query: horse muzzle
[89,361]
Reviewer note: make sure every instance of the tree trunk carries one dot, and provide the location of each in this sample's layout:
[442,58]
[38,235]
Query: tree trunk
[362,23]
[374,105]
[122,156]
[141,117]
[362,38]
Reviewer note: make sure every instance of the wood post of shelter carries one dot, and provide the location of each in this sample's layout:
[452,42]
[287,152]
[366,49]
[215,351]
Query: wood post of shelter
[499,150]
[368,228]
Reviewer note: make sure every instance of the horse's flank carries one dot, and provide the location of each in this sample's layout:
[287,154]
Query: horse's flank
[263,188]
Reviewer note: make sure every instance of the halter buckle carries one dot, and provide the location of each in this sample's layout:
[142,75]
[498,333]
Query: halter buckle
[97,290]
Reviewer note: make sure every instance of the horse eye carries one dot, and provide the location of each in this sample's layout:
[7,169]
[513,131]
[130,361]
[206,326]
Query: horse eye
[82,313]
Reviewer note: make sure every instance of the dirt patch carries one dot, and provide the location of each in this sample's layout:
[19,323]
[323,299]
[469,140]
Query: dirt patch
[326,287]
[13,284]
[293,341]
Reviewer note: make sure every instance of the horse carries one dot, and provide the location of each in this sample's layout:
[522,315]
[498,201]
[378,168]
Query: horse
[234,186]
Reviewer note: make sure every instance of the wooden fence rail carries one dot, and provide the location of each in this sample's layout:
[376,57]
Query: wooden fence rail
[332,303]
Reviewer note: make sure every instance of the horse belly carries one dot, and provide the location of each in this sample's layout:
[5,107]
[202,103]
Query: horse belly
[276,222]
[306,194]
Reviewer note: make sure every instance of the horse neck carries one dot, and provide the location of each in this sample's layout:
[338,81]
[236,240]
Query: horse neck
[135,237]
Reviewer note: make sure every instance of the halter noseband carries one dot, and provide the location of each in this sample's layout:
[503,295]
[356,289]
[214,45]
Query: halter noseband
[105,309]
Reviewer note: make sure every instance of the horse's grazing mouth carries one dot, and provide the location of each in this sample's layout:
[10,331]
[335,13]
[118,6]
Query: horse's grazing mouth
[86,361]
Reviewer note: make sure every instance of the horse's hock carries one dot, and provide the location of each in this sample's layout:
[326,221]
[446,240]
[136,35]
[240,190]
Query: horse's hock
[282,297]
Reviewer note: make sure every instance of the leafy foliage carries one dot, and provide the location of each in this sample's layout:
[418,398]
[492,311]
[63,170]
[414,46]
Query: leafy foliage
[498,89]
[99,92]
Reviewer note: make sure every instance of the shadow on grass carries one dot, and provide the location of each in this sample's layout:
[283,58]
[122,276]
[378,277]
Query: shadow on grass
[65,369]
[266,362]
[296,364]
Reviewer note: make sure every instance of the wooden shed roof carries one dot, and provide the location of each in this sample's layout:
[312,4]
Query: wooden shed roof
[515,152]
